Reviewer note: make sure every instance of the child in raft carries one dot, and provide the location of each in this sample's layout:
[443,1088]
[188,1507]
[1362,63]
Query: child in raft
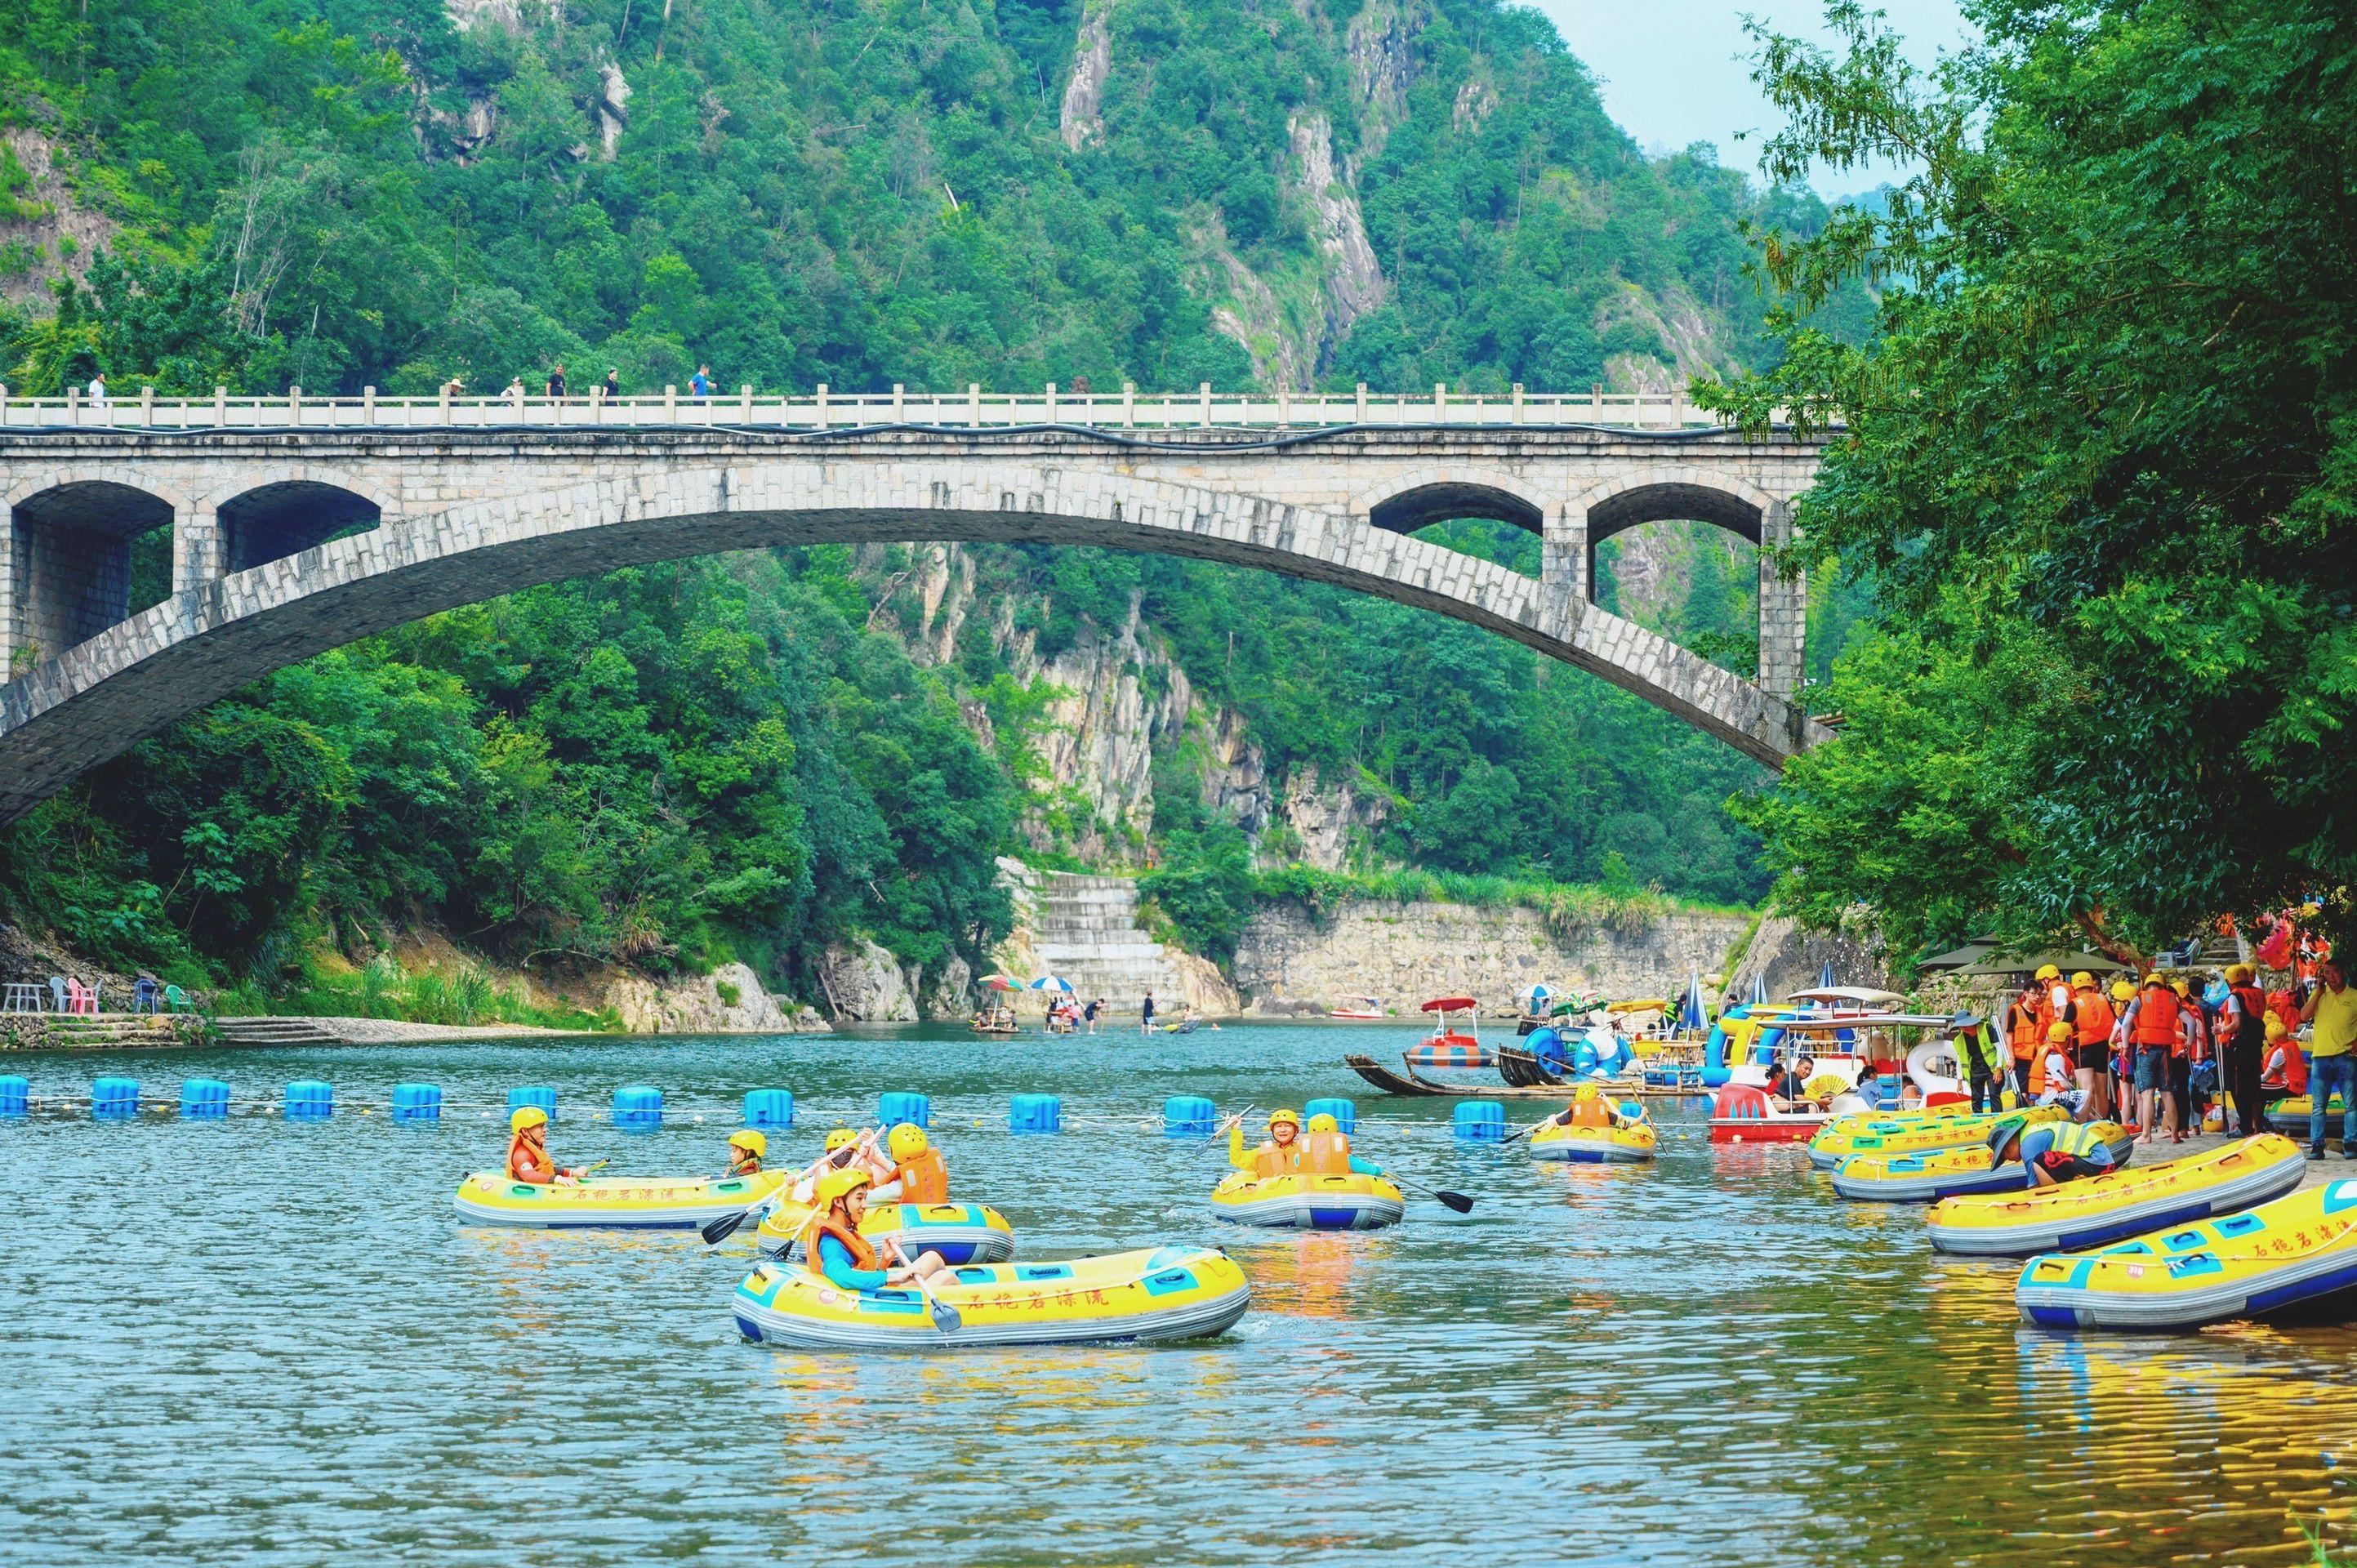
[1326,1151]
[528,1160]
[1587,1108]
[834,1249]
[745,1151]
[2051,1153]
[918,1174]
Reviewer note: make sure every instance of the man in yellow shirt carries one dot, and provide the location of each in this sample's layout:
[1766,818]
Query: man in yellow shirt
[2332,1008]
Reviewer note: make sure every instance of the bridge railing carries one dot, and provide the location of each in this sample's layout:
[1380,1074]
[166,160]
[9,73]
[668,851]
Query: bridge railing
[827,410]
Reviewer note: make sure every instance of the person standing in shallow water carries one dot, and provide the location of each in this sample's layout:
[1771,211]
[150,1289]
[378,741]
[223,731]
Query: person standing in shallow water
[1146,1015]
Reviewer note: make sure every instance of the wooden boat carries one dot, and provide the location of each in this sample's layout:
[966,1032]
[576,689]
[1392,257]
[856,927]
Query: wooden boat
[994,1021]
[1414,1084]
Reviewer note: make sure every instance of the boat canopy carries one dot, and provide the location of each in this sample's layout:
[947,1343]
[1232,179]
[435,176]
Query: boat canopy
[1448,1004]
[1856,995]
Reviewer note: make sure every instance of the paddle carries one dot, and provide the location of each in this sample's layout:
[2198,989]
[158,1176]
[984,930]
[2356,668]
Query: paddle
[1222,1130]
[945,1318]
[718,1230]
[1456,1201]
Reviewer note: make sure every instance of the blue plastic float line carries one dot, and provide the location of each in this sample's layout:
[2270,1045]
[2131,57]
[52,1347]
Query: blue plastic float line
[204,1100]
[768,1108]
[896,1106]
[1034,1114]
[1189,1116]
[309,1100]
[416,1103]
[15,1096]
[638,1107]
[115,1098]
[543,1098]
[1480,1121]
[1345,1113]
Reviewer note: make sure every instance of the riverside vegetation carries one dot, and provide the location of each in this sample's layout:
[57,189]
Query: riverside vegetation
[729,758]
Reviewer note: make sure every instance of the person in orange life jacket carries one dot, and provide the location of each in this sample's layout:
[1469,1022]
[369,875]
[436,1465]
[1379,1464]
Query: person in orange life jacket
[528,1160]
[2093,1020]
[2243,1022]
[1279,1156]
[2052,1074]
[1326,1150]
[2053,1153]
[834,1249]
[2156,1037]
[745,1152]
[2285,1071]
[1587,1108]
[919,1175]
[2023,1032]
[1983,1071]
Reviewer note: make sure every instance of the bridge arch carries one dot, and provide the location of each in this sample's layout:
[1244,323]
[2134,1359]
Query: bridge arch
[98,698]
[69,555]
[1631,500]
[288,516]
[1425,495]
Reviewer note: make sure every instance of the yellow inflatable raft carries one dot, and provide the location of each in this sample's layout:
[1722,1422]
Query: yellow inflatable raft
[1837,1141]
[1631,1143]
[610,1203]
[2105,1208]
[1950,1173]
[2284,1257]
[959,1232]
[1169,1293]
[1300,1201]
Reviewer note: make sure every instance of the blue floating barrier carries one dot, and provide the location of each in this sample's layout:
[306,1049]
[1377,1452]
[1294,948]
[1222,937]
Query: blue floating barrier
[637,1107]
[1480,1121]
[1189,1116]
[896,1106]
[1034,1114]
[115,1098]
[15,1096]
[418,1102]
[543,1098]
[1344,1112]
[768,1108]
[204,1100]
[309,1100]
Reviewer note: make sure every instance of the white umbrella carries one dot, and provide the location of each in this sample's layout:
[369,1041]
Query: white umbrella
[1535,993]
[1052,982]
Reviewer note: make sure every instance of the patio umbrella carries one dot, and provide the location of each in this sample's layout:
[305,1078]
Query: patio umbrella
[1690,1014]
[1826,975]
[1052,982]
[2026,963]
[1536,994]
[1001,983]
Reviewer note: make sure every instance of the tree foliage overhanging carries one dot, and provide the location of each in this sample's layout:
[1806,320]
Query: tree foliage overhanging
[2102,457]
[723,757]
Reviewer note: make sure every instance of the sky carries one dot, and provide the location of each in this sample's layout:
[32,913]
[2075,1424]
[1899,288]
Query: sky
[1675,71]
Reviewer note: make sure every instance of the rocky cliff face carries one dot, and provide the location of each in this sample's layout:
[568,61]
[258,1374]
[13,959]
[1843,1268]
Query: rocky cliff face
[728,1000]
[1402,954]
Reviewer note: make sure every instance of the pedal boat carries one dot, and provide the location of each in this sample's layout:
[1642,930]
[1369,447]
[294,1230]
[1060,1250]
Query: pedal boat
[1141,1297]
[2111,1208]
[610,1203]
[2297,1255]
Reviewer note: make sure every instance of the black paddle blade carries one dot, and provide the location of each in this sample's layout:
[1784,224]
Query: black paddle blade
[945,1317]
[1456,1200]
[720,1230]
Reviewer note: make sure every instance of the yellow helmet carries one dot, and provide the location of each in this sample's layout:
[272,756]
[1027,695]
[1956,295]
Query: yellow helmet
[2122,991]
[1281,1114]
[524,1116]
[750,1139]
[908,1141]
[2057,1033]
[1585,1091]
[2274,1027]
[2240,974]
[2082,977]
[2182,989]
[841,1138]
[1322,1123]
[2047,972]
[842,1184]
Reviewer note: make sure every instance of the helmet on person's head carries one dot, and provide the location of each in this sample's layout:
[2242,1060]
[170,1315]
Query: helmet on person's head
[841,1138]
[908,1141]
[2122,991]
[2047,972]
[2274,1027]
[2157,978]
[2181,987]
[837,1185]
[524,1116]
[1322,1123]
[2057,1033]
[1281,1114]
[2082,978]
[2240,974]
[750,1141]
[1585,1091]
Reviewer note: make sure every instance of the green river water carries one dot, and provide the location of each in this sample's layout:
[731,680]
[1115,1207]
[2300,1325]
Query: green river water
[257,1342]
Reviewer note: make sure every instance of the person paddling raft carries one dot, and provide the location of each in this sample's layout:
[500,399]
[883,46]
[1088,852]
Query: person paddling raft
[746,1152]
[2053,1153]
[528,1159]
[1326,1150]
[1587,1108]
[834,1249]
[1280,1155]
[919,1175]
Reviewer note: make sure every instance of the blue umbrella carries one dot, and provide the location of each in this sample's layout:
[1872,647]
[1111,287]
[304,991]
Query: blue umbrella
[1052,982]
[1825,976]
[1690,1018]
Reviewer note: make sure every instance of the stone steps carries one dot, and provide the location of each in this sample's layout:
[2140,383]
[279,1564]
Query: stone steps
[274,1032]
[1084,927]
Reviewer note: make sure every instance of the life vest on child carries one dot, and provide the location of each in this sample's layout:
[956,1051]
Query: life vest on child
[1592,1112]
[823,1225]
[1326,1154]
[2156,1022]
[924,1179]
[528,1160]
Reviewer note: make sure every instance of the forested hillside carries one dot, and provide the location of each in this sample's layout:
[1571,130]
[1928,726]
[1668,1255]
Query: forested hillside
[749,757]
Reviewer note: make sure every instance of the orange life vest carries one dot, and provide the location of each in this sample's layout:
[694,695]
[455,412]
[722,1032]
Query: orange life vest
[2294,1065]
[2156,1022]
[1326,1154]
[528,1160]
[746,1162]
[1590,1114]
[925,1179]
[2095,1018]
[1270,1160]
[863,1256]
[2022,1031]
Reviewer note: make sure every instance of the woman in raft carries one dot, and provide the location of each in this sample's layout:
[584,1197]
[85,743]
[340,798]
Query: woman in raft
[528,1160]
[2051,1153]
[919,1175]
[836,1250]
[745,1151]
[1324,1151]
[1587,1108]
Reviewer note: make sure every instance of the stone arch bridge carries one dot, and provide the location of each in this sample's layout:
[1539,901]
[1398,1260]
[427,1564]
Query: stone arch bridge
[299,527]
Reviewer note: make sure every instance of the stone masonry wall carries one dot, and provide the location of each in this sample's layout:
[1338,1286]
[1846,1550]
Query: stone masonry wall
[1402,954]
